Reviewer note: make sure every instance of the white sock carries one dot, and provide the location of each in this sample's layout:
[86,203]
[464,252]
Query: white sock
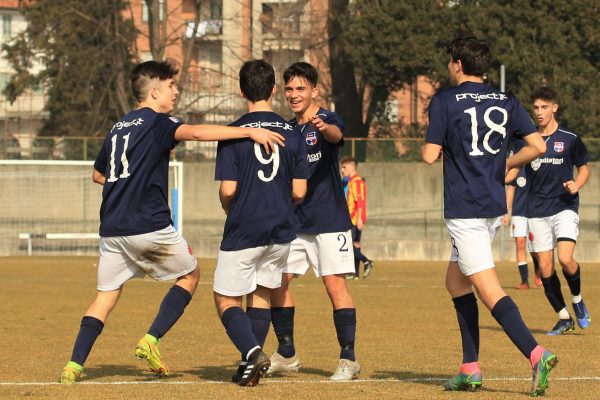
[564,314]
[576,299]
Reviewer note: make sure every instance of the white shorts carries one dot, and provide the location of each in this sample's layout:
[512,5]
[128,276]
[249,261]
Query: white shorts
[240,271]
[326,253]
[471,240]
[518,227]
[544,232]
[163,255]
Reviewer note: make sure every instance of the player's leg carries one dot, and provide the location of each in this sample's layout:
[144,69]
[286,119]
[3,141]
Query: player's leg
[519,232]
[536,268]
[334,261]
[176,262]
[542,241]
[283,311]
[236,277]
[114,269]
[520,243]
[566,225]
[91,327]
[459,287]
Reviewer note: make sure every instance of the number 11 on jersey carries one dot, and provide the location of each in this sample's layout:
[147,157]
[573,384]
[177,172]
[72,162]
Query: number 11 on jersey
[112,176]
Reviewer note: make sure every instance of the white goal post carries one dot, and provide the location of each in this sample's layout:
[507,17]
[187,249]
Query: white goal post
[52,207]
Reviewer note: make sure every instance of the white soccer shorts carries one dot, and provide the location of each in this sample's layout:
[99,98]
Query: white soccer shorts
[326,253]
[471,240]
[518,227]
[238,272]
[544,232]
[163,255]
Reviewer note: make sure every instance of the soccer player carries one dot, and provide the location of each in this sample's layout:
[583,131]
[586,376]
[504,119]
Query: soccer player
[356,197]
[516,201]
[324,241]
[257,193]
[137,237]
[552,207]
[472,124]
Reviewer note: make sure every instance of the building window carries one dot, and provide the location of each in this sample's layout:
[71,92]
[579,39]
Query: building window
[280,19]
[7,25]
[391,110]
[216,9]
[161,11]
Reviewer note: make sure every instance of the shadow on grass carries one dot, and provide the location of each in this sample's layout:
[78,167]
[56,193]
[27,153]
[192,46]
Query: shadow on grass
[139,372]
[536,331]
[223,373]
[431,380]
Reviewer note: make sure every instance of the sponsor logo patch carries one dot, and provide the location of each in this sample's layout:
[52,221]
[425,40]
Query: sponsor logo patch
[559,147]
[311,138]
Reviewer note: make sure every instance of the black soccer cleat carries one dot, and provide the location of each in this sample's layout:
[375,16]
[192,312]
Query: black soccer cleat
[257,367]
[235,378]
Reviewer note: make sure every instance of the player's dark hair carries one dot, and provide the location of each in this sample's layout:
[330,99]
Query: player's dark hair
[348,159]
[474,54]
[257,79]
[543,93]
[302,70]
[143,73]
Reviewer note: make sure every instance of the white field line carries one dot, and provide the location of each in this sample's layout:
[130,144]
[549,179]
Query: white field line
[284,381]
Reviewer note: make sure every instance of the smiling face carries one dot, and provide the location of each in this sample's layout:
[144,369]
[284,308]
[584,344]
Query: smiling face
[164,93]
[544,111]
[300,94]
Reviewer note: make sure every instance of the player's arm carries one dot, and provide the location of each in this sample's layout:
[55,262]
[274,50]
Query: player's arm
[268,139]
[534,147]
[298,190]
[583,174]
[511,175]
[431,152]
[98,177]
[226,193]
[331,132]
[510,197]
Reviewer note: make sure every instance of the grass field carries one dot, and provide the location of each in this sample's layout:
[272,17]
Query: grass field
[407,341]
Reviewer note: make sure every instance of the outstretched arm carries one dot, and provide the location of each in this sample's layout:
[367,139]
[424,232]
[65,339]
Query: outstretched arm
[268,139]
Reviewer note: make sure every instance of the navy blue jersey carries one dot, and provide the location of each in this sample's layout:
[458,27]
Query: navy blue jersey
[135,161]
[519,206]
[261,211]
[546,175]
[324,208]
[474,123]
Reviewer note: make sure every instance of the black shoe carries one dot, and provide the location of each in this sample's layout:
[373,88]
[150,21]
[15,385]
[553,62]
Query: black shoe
[235,378]
[368,268]
[257,367]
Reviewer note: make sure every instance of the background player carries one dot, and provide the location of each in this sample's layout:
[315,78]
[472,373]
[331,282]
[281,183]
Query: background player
[257,193]
[472,125]
[136,233]
[324,240]
[552,205]
[516,201]
[356,198]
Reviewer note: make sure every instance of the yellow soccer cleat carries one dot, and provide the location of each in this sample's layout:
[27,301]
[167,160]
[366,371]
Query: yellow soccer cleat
[71,373]
[147,349]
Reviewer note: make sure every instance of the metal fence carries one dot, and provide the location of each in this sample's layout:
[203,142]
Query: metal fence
[86,148]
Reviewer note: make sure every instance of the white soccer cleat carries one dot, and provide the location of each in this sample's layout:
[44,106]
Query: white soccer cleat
[346,370]
[281,364]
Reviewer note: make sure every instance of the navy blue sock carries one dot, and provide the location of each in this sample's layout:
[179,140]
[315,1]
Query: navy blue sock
[283,324]
[508,316]
[260,318]
[345,326]
[524,272]
[467,313]
[553,293]
[89,330]
[536,264]
[357,261]
[574,281]
[239,329]
[171,308]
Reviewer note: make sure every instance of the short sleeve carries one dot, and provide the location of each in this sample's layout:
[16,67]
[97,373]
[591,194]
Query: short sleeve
[164,130]
[436,131]
[522,125]
[334,119]
[226,168]
[579,153]
[100,163]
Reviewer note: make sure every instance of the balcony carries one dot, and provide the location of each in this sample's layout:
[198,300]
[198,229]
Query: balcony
[206,28]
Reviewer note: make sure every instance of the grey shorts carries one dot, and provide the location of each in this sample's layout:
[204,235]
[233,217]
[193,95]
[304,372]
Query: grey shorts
[162,255]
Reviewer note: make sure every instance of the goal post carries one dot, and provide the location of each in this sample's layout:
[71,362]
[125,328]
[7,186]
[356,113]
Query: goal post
[53,207]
